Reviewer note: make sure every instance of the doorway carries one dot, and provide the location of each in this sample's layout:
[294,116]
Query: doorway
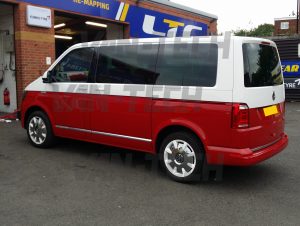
[8,93]
[71,29]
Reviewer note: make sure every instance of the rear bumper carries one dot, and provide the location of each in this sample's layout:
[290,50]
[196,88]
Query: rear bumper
[244,157]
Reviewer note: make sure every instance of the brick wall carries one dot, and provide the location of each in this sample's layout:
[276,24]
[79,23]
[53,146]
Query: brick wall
[292,27]
[32,46]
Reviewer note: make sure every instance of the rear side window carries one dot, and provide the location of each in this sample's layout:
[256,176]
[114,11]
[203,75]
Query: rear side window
[261,65]
[132,64]
[75,67]
[187,64]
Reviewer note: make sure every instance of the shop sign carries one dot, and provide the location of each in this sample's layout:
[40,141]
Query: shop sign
[155,24]
[292,83]
[291,68]
[144,23]
[39,17]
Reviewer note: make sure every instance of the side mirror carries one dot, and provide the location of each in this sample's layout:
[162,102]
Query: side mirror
[48,79]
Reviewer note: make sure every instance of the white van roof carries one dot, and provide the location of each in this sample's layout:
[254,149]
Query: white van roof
[204,39]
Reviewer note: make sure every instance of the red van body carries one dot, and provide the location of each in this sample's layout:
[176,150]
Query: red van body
[236,122]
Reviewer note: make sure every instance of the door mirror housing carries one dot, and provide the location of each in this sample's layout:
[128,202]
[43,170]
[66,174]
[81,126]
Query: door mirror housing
[49,78]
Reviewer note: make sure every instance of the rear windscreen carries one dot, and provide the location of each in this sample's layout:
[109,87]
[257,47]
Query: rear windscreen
[261,65]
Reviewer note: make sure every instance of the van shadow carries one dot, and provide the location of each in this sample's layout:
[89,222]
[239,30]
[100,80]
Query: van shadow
[230,177]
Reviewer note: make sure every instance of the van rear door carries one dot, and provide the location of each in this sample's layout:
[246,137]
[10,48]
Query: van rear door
[259,86]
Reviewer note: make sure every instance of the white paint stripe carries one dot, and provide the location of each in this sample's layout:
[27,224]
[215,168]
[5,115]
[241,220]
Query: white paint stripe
[120,11]
[134,90]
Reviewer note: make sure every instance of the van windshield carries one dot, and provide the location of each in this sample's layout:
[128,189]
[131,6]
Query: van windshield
[261,65]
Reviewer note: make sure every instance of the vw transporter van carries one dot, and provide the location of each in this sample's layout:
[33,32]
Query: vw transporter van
[192,101]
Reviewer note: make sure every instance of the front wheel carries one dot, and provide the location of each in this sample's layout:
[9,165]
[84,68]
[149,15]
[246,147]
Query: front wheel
[182,156]
[39,130]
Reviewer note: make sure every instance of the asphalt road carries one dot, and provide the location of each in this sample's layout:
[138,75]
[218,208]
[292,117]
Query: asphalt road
[77,183]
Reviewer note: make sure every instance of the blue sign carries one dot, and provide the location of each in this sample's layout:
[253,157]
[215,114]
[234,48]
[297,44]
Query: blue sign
[144,23]
[291,68]
[292,83]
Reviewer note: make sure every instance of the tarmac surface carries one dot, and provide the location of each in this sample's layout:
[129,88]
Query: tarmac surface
[77,183]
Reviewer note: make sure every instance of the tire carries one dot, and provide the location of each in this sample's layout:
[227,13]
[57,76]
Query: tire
[182,165]
[39,130]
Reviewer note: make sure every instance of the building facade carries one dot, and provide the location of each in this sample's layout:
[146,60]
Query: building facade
[33,33]
[286,26]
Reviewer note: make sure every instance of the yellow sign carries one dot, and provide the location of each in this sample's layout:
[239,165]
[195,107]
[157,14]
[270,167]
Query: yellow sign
[93,3]
[173,24]
[124,12]
[291,68]
[273,110]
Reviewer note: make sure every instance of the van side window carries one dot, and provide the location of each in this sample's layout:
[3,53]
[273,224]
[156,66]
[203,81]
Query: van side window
[75,67]
[128,64]
[187,65]
[262,65]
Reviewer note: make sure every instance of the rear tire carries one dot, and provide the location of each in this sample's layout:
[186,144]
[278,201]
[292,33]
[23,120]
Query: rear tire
[182,156]
[39,130]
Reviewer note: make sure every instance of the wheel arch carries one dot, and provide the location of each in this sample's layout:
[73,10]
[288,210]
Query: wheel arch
[32,109]
[169,129]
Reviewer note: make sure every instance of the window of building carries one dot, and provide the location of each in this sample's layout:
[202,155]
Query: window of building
[128,64]
[284,25]
[187,65]
[74,67]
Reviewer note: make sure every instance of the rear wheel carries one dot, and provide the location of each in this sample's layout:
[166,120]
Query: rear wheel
[182,156]
[39,130]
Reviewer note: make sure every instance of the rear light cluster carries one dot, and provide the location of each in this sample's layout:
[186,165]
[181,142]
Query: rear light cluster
[240,116]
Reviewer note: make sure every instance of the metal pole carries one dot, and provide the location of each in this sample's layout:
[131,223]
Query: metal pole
[298,17]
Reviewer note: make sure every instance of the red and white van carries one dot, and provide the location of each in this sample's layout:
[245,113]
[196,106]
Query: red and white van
[189,100]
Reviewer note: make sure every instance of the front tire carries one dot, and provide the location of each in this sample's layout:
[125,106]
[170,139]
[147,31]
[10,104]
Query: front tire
[39,130]
[182,156]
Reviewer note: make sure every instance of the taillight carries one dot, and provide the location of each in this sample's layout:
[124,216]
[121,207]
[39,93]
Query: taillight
[240,116]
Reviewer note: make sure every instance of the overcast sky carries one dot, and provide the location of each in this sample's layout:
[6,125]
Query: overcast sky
[239,14]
